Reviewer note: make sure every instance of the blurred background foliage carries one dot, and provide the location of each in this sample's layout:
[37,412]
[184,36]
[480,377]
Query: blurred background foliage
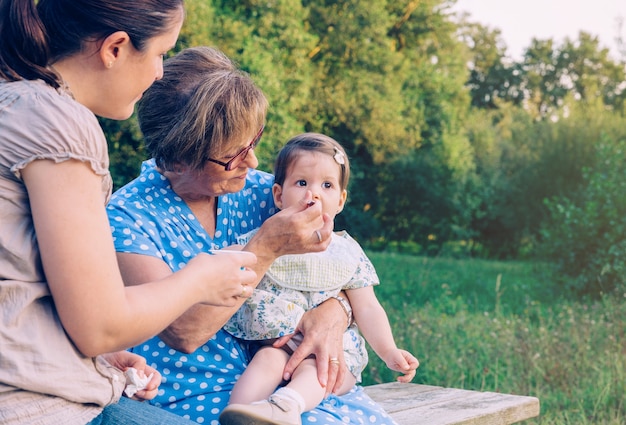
[457,149]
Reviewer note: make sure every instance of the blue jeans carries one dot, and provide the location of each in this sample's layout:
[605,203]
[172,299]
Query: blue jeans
[132,412]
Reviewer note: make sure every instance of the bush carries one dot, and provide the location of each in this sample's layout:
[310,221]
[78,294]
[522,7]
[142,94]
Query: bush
[586,232]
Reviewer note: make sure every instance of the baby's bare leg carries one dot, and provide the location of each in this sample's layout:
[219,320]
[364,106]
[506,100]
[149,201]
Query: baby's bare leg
[304,381]
[349,381]
[261,377]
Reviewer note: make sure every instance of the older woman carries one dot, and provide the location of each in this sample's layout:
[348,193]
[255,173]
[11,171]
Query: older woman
[200,191]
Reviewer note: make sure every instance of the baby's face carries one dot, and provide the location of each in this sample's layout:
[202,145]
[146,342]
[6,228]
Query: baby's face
[317,172]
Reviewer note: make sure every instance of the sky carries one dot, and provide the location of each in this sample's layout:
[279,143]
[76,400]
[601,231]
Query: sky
[521,20]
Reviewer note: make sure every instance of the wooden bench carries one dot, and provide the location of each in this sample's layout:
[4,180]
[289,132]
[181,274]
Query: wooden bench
[414,404]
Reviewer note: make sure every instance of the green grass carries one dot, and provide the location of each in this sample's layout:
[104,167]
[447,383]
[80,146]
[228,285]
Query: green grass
[504,327]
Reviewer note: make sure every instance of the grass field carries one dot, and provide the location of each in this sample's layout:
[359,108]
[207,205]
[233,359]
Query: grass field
[504,327]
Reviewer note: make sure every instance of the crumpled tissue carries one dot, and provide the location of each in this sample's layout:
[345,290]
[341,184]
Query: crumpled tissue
[134,382]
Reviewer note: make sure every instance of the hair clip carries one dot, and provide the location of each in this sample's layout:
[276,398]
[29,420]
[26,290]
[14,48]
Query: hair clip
[339,157]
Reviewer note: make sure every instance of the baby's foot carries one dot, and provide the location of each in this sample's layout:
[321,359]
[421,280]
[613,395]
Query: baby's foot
[275,411]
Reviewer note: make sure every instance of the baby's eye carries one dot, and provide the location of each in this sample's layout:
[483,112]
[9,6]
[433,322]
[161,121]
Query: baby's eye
[327,185]
[301,183]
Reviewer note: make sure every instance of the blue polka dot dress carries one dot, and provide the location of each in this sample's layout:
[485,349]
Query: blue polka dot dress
[147,217]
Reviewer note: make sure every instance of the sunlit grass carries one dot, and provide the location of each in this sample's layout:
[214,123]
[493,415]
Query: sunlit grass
[500,326]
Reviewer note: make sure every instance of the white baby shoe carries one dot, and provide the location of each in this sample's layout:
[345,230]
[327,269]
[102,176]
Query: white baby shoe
[275,411]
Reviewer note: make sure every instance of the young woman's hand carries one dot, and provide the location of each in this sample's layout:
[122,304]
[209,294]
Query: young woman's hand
[123,360]
[229,278]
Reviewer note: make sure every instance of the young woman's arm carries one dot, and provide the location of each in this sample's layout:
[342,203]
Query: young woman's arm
[194,327]
[97,311]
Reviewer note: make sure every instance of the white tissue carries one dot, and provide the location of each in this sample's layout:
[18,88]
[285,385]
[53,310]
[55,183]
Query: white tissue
[134,382]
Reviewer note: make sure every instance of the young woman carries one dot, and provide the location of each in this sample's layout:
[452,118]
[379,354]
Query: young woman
[62,298]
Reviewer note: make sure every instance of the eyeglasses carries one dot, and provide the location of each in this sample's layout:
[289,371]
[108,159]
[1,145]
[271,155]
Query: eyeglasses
[242,154]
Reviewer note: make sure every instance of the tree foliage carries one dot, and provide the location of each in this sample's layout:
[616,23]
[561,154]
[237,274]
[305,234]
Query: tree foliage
[579,69]
[450,139]
[586,233]
[492,79]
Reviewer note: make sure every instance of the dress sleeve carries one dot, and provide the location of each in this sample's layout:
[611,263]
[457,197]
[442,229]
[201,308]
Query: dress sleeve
[129,233]
[64,130]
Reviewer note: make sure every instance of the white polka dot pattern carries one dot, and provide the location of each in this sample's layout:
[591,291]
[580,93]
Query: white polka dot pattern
[147,217]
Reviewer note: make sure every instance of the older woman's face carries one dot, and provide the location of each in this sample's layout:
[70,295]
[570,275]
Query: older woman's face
[213,180]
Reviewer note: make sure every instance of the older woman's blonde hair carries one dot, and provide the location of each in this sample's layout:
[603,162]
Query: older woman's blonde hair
[203,107]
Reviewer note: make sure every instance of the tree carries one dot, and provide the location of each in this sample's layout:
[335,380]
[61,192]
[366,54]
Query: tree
[580,68]
[586,233]
[493,76]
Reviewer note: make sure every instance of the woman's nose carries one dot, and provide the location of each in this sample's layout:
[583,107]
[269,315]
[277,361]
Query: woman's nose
[251,160]
[159,73]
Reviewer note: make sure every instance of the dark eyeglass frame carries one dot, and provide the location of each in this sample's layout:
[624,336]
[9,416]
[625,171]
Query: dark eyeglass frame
[242,154]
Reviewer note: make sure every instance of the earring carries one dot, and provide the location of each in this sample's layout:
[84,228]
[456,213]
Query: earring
[110,64]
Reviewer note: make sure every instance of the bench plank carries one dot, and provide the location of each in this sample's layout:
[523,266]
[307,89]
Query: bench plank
[414,404]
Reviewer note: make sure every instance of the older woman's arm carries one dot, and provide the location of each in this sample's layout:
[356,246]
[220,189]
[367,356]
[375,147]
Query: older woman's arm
[290,231]
[196,325]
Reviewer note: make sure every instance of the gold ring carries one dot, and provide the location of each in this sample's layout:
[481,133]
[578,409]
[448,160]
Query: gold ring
[333,360]
[319,235]
[244,289]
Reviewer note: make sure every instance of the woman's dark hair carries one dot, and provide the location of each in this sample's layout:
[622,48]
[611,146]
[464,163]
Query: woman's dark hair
[33,37]
[311,142]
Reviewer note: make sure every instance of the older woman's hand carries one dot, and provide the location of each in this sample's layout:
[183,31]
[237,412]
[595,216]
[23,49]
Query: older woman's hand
[294,230]
[322,329]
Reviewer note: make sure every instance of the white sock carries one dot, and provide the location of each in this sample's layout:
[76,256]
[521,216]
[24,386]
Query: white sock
[292,395]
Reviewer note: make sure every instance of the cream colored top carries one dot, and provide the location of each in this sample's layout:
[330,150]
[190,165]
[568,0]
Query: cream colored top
[43,377]
[295,284]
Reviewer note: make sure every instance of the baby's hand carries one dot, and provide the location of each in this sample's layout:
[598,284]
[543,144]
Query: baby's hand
[404,362]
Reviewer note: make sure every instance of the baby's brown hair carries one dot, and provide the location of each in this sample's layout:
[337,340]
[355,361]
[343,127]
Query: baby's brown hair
[311,142]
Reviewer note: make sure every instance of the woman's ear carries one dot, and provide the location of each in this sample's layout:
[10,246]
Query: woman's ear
[277,191]
[113,47]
